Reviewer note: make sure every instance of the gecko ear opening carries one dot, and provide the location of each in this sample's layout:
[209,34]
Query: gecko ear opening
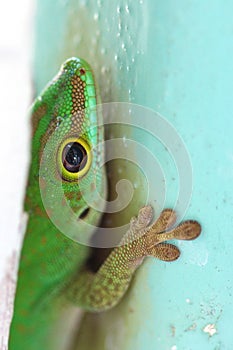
[84,213]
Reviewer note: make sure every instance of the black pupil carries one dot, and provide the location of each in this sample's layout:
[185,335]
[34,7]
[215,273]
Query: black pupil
[74,157]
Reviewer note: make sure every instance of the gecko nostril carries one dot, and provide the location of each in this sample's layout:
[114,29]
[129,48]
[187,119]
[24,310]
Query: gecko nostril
[82,71]
[84,213]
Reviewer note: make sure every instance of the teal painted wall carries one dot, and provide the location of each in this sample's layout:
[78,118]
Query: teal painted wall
[175,57]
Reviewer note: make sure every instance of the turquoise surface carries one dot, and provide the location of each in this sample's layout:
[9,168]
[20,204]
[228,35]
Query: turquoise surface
[176,58]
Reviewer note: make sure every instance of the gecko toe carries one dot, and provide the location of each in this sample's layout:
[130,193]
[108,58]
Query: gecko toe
[165,252]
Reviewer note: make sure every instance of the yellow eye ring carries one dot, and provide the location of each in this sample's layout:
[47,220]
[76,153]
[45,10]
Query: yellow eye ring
[74,158]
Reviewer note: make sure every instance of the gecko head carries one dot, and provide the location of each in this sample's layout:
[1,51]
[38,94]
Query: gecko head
[70,139]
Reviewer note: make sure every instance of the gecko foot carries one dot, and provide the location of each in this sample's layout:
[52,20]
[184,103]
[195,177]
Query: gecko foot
[150,238]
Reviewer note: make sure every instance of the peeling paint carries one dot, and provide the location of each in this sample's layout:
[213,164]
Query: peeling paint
[210,329]
[173,330]
[8,284]
[193,327]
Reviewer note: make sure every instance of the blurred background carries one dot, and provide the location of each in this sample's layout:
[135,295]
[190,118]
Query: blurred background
[16,27]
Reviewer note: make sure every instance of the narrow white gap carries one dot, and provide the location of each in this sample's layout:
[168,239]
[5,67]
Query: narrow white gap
[16,23]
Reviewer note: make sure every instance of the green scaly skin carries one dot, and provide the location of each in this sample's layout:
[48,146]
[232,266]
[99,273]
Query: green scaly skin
[52,277]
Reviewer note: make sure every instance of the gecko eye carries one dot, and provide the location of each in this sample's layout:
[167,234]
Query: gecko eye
[74,158]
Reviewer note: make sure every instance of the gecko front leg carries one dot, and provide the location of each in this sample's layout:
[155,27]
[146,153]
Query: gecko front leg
[103,290]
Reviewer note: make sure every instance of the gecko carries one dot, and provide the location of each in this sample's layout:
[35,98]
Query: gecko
[53,277]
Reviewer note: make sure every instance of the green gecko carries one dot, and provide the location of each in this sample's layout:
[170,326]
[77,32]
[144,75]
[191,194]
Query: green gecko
[53,278]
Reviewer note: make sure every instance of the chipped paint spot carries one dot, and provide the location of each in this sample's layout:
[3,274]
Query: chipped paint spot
[210,329]
[193,327]
[173,330]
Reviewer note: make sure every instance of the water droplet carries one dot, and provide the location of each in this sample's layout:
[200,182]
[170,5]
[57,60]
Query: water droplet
[104,70]
[96,16]
[115,57]
[124,141]
[123,46]
[127,8]
[118,9]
